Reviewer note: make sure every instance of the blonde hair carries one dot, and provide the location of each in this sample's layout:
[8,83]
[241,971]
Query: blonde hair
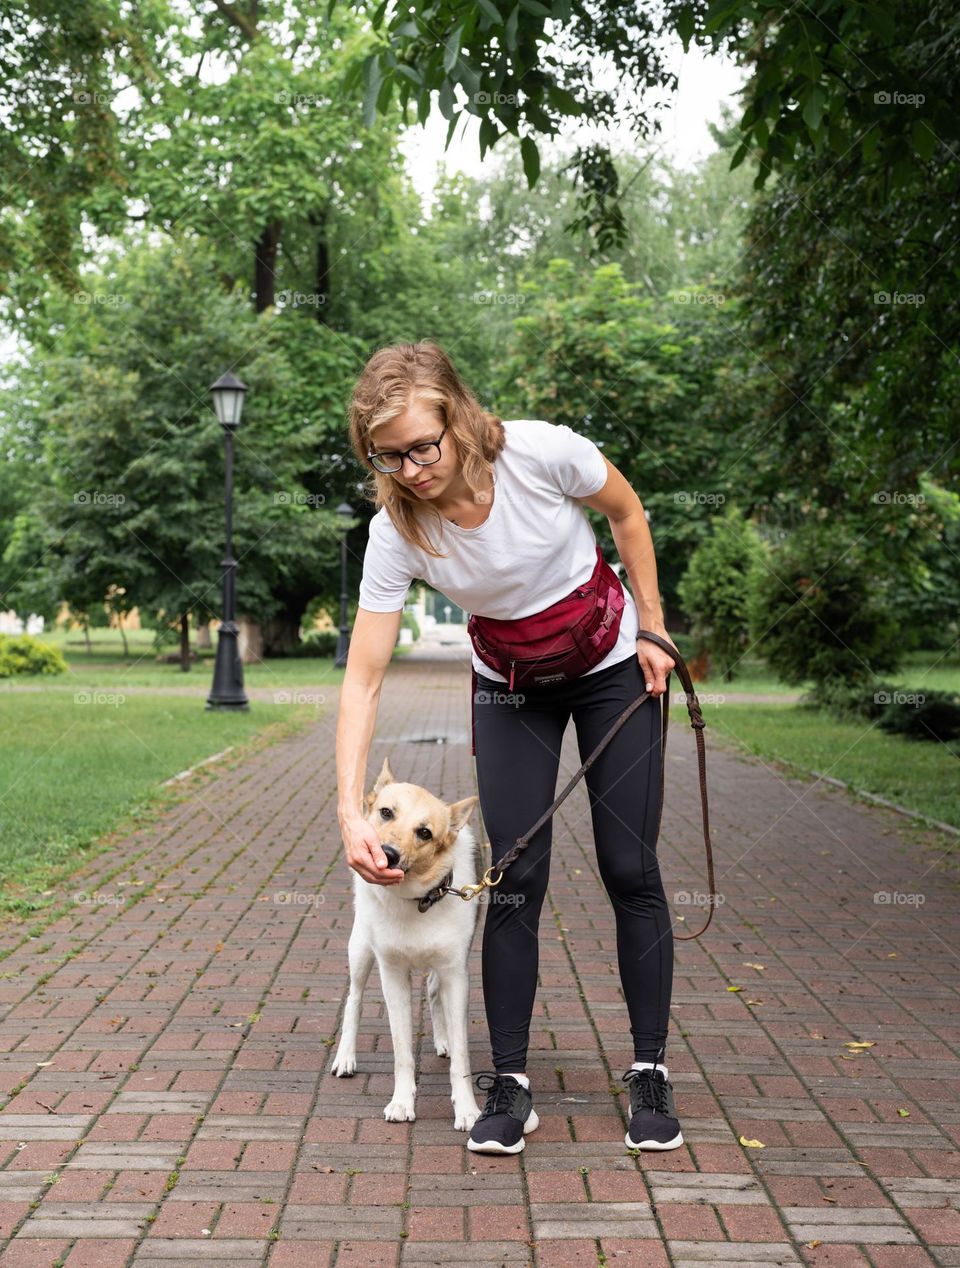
[391,381]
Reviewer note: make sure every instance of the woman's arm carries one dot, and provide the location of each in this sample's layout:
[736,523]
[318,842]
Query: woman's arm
[631,533]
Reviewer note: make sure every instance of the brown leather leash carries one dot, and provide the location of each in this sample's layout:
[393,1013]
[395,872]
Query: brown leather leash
[696,721]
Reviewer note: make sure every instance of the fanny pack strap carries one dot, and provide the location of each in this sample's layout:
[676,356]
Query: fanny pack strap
[696,721]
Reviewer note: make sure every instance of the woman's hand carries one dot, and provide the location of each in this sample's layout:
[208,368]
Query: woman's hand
[655,662]
[365,854]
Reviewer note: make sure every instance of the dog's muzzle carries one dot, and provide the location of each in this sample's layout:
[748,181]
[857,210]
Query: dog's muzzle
[392,856]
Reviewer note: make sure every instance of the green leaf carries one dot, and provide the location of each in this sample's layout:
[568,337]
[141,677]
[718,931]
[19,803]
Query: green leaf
[924,140]
[423,109]
[740,155]
[491,10]
[447,101]
[813,107]
[451,48]
[372,78]
[880,20]
[510,30]
[531,159]
[722,13]
[686,25]
[488,134]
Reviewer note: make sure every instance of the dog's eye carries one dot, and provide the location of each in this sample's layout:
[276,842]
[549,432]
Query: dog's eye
[424,834]
[386,812]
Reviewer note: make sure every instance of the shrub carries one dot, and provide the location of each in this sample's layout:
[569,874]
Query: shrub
[319,643]
[24,654]
[922,715]
[715,589]
[409,622]
[818,613]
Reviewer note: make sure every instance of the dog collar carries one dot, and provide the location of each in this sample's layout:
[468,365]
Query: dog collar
[426,901]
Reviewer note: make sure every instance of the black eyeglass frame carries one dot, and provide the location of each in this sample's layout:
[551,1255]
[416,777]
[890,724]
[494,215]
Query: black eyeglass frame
[408,453]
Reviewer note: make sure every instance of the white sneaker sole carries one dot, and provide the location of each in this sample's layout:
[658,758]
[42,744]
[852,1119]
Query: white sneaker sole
[495,1147]
[654,1144]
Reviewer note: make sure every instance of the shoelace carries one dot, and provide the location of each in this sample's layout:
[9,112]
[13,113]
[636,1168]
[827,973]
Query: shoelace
[648,1092]
[501,1090]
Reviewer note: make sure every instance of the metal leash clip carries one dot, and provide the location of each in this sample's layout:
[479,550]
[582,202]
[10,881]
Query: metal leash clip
[467,892]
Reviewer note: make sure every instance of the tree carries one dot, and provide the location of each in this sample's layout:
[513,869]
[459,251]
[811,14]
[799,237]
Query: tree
[133,456]
[265,160]
[617,366]
[823,76]
[61,68]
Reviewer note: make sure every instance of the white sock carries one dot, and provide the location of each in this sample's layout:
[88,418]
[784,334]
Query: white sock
[648,1065]
[521,1078]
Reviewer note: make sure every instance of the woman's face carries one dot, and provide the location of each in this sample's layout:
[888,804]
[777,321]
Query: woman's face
[415,427]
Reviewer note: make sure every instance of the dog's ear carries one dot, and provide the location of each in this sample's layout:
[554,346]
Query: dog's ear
[460,812]
[385,777]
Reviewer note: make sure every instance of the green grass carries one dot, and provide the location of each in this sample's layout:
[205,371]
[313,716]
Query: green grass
[921,776]
[70,772]
[107,664]
[930,670]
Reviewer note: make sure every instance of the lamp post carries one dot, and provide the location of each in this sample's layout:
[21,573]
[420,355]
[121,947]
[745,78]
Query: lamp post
[345,511]
[227,690]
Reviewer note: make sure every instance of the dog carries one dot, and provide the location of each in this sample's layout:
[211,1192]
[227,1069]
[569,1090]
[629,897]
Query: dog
[427,838]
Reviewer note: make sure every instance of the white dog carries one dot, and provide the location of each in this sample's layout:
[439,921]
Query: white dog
[428,839]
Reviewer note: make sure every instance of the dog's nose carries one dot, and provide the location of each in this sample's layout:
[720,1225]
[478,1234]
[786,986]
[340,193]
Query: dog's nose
[392,854]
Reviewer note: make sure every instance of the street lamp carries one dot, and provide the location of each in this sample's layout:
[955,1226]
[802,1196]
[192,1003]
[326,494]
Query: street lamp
[227,690]
[345,512]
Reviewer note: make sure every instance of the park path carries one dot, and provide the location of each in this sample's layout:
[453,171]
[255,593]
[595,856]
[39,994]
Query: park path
[164,1060]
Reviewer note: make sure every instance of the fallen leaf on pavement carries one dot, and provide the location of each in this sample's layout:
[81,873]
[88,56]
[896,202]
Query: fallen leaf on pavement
[752,1144]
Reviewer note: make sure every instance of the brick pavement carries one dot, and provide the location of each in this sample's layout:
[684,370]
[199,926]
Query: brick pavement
[163,1055]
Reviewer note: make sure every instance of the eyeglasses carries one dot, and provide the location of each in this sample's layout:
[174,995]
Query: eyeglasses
[423,455]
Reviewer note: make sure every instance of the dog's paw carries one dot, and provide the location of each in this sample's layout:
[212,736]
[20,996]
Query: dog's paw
[344,1064]
[440,1046]
[464,1118]
[399,1111]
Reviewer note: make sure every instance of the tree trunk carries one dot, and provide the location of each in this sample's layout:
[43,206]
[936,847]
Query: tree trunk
[185,642]
[281,634]
[123,635]
[265,269]
[86,636]
[321,281]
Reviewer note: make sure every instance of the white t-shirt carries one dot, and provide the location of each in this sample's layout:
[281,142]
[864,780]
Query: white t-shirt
[535,545]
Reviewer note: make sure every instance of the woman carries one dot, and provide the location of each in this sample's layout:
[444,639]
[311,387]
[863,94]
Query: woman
[488,511]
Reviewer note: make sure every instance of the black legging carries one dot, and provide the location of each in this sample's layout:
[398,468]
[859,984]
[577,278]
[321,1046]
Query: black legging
[518,739]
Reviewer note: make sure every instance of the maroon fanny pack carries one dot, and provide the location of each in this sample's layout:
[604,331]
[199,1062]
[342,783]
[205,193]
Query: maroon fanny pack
[558,644]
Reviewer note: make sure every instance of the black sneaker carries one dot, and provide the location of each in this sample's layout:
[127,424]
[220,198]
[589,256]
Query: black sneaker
[653,1114]
[507,1114]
